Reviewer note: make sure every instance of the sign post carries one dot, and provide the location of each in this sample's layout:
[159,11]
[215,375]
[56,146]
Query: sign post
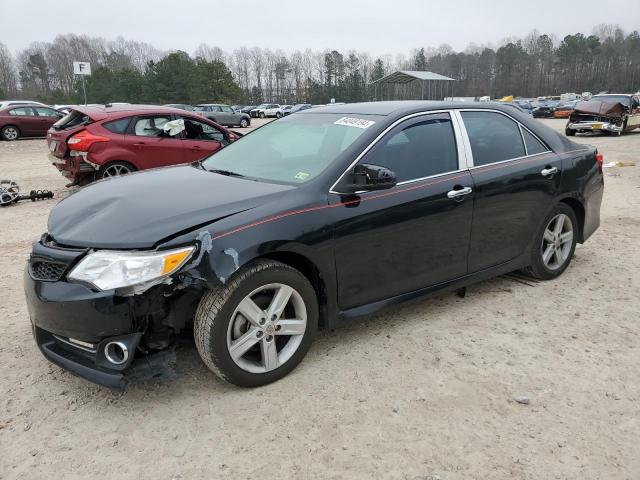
[82,69]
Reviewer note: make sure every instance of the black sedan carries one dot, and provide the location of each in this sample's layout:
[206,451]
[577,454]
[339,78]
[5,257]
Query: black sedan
[308,222]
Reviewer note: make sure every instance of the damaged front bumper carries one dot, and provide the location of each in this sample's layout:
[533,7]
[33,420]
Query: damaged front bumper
[594,126]
[98,335]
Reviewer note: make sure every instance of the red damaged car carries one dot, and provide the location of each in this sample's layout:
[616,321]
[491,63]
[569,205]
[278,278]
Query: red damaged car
[92,143]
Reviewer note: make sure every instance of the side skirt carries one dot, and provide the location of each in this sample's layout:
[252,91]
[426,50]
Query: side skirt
[346,315]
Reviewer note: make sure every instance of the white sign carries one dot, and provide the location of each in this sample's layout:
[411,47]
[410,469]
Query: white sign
[82,68]
[354,122]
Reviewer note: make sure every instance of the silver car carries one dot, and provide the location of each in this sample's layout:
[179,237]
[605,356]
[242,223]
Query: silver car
[224,114]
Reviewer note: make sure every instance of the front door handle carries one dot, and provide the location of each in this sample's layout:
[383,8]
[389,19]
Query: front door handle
[549,172]
[459,194]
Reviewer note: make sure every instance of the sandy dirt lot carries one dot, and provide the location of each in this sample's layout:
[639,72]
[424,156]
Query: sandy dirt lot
[422,391]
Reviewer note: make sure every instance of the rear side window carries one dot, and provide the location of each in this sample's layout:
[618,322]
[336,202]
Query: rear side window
[117,126]
[534,145]
[417,148]
[46,112]
[494,137]
[22,112]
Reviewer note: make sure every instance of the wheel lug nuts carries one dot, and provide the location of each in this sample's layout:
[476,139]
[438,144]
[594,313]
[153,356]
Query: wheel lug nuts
[269,338]
[263,321]
[273,317]
[259,334]
[278,328]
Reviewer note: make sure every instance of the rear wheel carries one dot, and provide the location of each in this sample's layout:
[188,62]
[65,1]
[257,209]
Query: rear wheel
[554,244]
[115,169]
[10,133]
[255,329]
[244,123]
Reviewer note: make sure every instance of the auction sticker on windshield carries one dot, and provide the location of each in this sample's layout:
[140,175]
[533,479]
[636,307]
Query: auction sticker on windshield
[354,122]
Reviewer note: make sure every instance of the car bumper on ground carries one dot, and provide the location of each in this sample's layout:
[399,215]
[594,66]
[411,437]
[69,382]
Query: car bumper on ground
[594,126]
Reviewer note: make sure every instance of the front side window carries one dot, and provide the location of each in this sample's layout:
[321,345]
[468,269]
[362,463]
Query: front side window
[22,112]
[226,109]
[494,137]
[293,150]
[417,148]
[151,126]
[197,130]
[46,112]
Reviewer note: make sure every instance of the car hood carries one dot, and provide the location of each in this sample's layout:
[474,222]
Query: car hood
[141,209]
[598,107]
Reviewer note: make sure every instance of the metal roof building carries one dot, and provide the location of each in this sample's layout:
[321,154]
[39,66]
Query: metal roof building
[413,85]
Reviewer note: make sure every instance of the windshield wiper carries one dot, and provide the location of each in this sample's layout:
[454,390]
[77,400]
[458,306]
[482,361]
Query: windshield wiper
[228,173]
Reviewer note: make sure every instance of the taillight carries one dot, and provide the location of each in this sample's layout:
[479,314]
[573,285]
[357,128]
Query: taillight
[600,159]
[83,140]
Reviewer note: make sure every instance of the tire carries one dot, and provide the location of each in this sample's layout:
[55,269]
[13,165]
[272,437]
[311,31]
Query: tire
[10,133]
[114,169]
[244,123]
[218,325]
[262,115]
[569,132]
[278,114]
[561,251]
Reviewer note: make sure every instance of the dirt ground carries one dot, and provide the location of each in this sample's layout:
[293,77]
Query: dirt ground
[422,391]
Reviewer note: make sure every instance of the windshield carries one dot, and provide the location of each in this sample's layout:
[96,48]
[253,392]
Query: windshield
[623,99]
[292,150]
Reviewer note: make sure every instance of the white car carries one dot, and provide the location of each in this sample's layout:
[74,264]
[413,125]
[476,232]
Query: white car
[267,110]
[8,103]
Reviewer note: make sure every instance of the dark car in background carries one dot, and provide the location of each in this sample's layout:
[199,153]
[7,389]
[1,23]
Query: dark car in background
[312,220]
[247,109]
[18,121]
[224,114]
[607,113]
[544,109]
[100,142]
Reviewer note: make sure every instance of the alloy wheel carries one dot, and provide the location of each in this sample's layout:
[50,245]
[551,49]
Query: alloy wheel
[10,133]
[266,328]
[115,171]
[557,241]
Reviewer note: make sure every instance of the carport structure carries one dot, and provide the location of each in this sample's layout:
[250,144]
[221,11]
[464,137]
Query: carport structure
[413,85]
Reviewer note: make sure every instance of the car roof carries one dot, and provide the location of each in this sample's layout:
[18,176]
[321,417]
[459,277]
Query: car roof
[212,105]
[101,112]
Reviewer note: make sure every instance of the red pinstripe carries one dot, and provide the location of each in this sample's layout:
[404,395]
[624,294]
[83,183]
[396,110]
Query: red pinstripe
[372,197]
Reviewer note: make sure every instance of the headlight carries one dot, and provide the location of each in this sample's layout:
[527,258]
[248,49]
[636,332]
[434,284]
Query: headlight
[108,270]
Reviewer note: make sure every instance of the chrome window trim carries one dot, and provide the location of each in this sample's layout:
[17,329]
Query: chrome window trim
[462,158]
[465,134]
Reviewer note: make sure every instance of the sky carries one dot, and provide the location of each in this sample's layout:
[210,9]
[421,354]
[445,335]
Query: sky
[378,27]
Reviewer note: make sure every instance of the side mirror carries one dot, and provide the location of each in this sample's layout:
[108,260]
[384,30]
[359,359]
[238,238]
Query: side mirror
[371,177]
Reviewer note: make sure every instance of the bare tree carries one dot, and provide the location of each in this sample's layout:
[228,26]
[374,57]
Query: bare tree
[8,72]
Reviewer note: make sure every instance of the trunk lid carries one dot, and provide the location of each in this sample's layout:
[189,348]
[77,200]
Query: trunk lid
[77,119]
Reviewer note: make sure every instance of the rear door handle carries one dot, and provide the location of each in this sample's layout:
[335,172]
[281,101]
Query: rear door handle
[549,172]
[140,144]
[459,194]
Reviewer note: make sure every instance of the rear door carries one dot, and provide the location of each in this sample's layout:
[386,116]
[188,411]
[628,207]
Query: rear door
[46,118]
[199,139]
[517,178]
[415,234]
[150,145]
[26,120]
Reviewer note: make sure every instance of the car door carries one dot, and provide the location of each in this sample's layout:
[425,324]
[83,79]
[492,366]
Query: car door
[633,120]
[415,234]
[26,120]
[46,118]
[150,145]
[227,116]
[199,139]
[516,177]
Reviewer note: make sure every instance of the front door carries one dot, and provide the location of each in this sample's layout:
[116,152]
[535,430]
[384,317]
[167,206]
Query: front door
[516,177]
[200,139]
[411,236]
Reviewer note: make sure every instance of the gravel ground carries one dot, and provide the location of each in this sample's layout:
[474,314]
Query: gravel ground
[422,391]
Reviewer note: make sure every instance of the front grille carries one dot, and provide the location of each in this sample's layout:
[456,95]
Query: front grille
[46,270]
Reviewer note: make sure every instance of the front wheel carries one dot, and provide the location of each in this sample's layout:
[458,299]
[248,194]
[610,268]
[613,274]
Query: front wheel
[554,244]
[278,114]
[569,132]
[262,115]
[256,328]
